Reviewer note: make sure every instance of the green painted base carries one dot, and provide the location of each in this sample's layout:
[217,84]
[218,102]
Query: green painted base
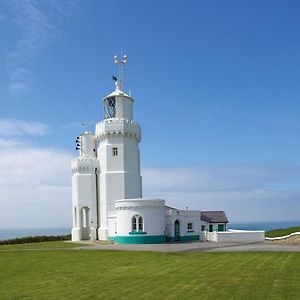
[183,238]
[148,239]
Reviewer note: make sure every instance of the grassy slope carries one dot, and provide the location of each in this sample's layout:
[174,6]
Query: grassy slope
[141,275]
[54,245]
[282,232]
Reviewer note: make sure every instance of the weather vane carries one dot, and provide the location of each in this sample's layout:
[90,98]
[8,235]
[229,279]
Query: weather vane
[121,63]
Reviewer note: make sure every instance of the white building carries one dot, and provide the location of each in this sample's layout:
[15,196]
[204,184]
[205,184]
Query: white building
[107,185]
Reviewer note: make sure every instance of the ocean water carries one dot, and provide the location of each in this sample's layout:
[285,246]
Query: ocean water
[263,225]
[6,234]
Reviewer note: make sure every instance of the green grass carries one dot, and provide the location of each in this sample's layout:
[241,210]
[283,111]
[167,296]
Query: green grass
[143,275]
[282,232]
[51,245]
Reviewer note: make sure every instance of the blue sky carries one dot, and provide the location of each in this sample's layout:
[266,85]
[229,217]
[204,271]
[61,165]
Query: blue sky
[216,87]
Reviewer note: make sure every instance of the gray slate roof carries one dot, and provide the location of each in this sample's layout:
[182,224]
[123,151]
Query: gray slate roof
[214,216]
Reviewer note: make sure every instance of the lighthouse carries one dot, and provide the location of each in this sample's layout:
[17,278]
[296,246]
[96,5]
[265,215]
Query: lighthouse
[108,166]
[107,200]
[118,153]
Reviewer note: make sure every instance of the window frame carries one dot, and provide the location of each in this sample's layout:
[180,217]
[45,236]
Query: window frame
[133,224]
[189,226]
[115,151]
[137,223]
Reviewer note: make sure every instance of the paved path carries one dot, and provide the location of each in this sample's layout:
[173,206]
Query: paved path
[197,247]
[178,247]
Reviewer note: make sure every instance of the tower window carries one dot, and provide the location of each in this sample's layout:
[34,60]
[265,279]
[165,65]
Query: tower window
[190,226]
[115,151]
[110,108]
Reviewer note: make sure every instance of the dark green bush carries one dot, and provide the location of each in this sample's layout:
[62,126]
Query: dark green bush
[36,239]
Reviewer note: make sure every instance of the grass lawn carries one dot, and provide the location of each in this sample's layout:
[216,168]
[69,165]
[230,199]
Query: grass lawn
[282,232]
[85,274]
[54,245]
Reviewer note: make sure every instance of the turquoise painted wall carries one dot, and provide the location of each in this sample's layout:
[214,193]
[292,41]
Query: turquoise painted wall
[139,239]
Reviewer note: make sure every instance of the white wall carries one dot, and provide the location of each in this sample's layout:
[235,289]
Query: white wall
[120,175]
[239,236]
[112,224]
[184,217]
[84,197]
[151,210]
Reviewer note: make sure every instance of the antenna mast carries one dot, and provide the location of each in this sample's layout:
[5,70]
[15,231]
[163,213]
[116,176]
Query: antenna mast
[121,64]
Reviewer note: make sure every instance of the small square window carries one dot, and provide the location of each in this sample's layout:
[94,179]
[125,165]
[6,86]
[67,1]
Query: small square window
[115,151]
[190,226]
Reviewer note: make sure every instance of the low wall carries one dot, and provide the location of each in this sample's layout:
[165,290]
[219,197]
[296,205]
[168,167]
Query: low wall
[238,236]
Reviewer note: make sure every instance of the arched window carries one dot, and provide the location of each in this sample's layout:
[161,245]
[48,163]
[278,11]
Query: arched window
[140,224]
[134,223]
[137,223]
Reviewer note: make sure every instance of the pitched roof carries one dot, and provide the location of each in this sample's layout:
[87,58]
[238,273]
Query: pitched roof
[214,216]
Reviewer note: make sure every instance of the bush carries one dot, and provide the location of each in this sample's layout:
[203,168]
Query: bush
[36,239]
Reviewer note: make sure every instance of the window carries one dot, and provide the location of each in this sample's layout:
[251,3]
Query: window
[220,227]
[137,224]
[110,108]
[115,151]
[140,224]
[134,223]
[203,228]
[190,226]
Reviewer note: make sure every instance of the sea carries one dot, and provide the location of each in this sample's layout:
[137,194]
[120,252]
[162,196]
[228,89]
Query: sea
[12,233]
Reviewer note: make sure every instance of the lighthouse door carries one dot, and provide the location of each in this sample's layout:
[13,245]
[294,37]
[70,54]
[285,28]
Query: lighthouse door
[176,231]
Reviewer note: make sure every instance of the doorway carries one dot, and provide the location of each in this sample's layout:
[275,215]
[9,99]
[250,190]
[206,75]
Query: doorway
[176,231]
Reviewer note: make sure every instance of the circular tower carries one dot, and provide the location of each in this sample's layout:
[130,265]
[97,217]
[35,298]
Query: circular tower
[118,153]
[85,170]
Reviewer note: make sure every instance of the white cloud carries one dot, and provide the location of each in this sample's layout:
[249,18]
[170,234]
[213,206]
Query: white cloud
[9,128]
[247,192]
[35,188]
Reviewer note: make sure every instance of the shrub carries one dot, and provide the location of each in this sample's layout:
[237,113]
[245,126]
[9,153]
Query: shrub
[36,239]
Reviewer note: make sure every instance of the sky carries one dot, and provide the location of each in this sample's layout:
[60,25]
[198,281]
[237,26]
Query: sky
[217,94]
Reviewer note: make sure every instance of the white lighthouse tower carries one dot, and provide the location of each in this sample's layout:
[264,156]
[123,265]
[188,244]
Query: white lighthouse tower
[106,181]
[107,201]
[85,170]
[118,153]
